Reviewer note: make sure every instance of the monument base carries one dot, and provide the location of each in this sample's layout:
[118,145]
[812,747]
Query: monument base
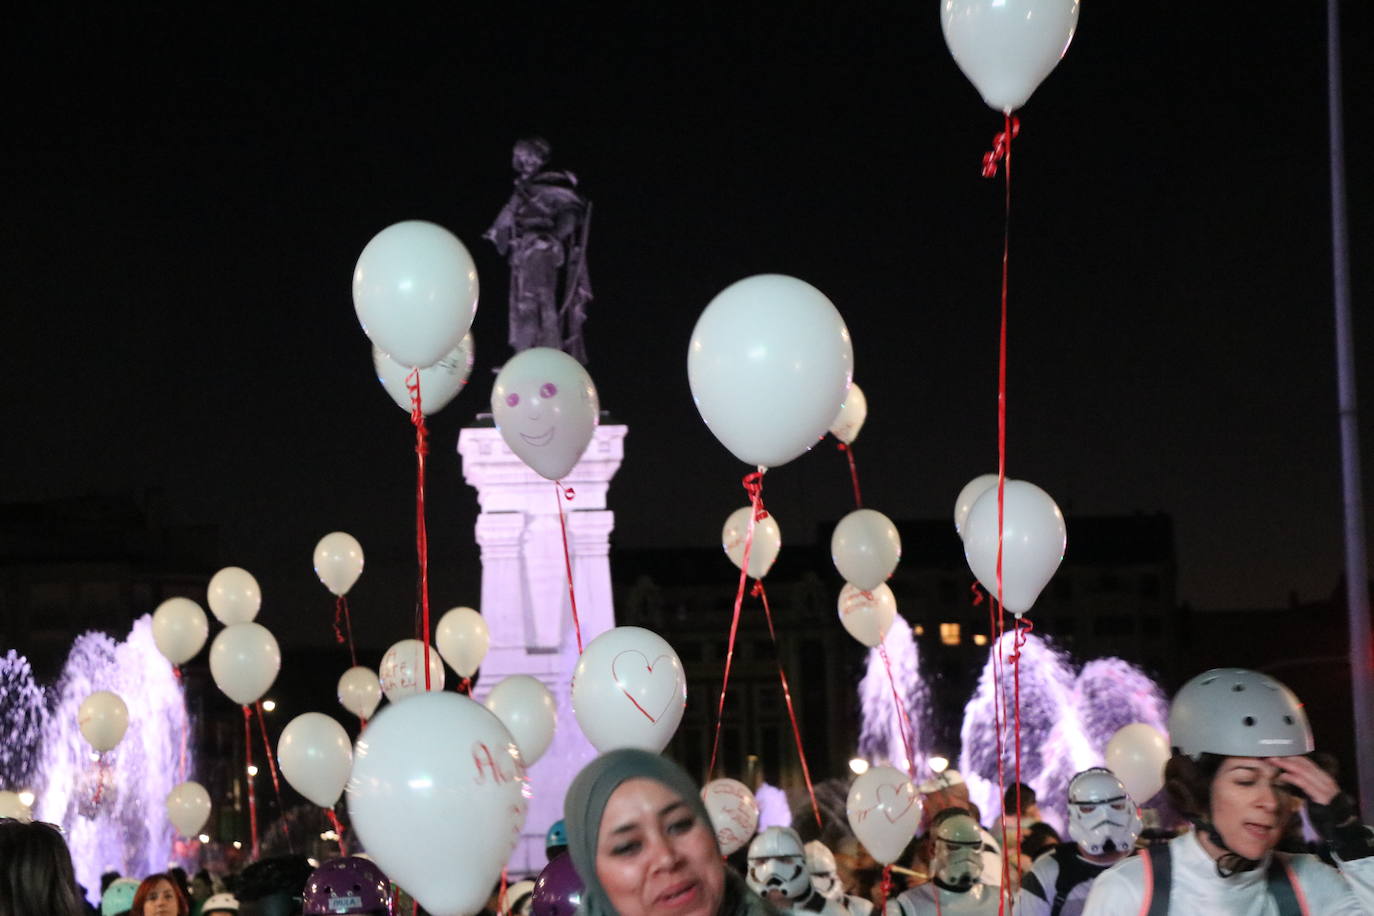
[525,596]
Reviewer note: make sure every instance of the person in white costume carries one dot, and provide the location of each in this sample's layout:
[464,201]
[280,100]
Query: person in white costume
[778,874]
[1240,773]
[947,789]
[1104,823]
[825,878]
[956,865]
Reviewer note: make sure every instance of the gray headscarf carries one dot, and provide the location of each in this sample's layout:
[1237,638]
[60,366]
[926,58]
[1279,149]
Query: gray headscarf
[585,803]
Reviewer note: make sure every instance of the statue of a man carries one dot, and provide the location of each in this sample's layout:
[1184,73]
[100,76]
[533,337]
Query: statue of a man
[542,231]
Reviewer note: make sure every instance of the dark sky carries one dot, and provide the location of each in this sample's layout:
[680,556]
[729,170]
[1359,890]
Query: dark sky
[186,197]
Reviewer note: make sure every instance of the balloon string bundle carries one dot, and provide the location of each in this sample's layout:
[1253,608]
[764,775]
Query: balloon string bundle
[341,614]
[1022,631]
[762,595]
[338,830]
[884,890]
[272,768]
[753,485]
[560,495]
[501,908]
[848,449]
[417,417]
[248,776]
[1001,152]
[903,718]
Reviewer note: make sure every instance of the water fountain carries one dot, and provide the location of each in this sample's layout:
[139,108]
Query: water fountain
[880,739]
[112,811]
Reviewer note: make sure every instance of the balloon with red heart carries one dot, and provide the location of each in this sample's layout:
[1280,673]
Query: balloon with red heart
[884,810]
[629,690]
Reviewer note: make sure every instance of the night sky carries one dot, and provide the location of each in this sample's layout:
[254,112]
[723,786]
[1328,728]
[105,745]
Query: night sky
[186,197]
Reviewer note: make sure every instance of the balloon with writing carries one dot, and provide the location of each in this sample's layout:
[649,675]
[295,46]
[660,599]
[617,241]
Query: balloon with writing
[402,671]
[426,773]
[884,810]
[867,615]
[851,417]
[439,383]
[764,549]
[629,690]
[734,813]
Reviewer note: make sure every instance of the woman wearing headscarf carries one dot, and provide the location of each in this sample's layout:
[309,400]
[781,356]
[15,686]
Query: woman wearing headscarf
[643,844]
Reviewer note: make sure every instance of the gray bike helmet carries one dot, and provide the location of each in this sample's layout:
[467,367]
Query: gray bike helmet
[1233,712]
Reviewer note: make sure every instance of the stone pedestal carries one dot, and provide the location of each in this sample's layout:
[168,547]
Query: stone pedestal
[525,594]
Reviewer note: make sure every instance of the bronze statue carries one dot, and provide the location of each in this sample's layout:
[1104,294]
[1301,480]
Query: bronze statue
[542,232]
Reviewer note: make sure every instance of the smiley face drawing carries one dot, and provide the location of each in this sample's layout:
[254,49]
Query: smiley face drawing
[546,408]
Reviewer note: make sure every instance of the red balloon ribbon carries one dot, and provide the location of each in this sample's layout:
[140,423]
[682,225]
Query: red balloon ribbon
[185,729]
[465,686]
[248,762]
[417,418]
[903,717]
[848,449]
[762,595]
[753,485]
[338,830]
[341,613]
[100,770]
[1001,147]
[568,494]
[272,768]
[884,890]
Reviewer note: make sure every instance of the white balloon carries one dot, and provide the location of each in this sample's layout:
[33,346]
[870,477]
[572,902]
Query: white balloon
[546,409]
[867,615]
[338,561]
[968,496]
[734,813]
[1033,543]
[103,719]
[234,596]
[439,383]
[415,292]
[315,756]
[12,806]
[850,419]
[884,810]
[629,690]
[527,709]
[360,691]
[402,671]
[244,661]
[767,541]
[769,363]
[180,629]
[1137,754]
[865,548]
[463,639]
[188,808]
[438,798]
[1006,48]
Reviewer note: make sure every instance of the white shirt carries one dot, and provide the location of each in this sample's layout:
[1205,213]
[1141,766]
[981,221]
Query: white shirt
[922,901]
[1195,886]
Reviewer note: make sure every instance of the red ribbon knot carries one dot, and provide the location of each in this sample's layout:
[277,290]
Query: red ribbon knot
[1001,145]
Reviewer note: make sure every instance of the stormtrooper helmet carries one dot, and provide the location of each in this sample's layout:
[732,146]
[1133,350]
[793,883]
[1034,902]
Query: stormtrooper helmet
[777,865]
[958,849]
[820,862]
[1103,819]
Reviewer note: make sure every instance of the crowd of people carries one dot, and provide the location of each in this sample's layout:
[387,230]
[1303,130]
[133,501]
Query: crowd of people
[1244,775]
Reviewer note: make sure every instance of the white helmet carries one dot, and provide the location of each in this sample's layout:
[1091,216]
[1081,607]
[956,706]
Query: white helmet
[1103,818]
[777,862]
[1237,713]
[958,850]
[820,862]
[224,903]
[519,898]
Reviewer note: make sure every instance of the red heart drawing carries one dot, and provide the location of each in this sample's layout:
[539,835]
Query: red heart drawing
[641,682]
[893,796]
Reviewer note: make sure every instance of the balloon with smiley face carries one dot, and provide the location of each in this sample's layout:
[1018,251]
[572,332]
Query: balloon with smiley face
[546,408]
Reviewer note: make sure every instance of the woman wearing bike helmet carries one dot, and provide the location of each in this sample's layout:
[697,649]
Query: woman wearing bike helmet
[1240,773]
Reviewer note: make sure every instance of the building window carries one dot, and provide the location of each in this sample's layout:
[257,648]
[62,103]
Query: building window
[979,639]
[918,630]
[949,634]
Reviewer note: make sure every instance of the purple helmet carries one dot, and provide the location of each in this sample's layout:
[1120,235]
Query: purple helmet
[347,885]
[558,890]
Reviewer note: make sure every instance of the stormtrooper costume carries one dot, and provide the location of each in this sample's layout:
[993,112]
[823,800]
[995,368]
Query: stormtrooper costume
[1104,822]
[825,878]
[957,866]
[778,874]
[1231,712]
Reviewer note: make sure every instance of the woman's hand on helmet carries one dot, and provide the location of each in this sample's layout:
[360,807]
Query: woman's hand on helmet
[1311,780]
